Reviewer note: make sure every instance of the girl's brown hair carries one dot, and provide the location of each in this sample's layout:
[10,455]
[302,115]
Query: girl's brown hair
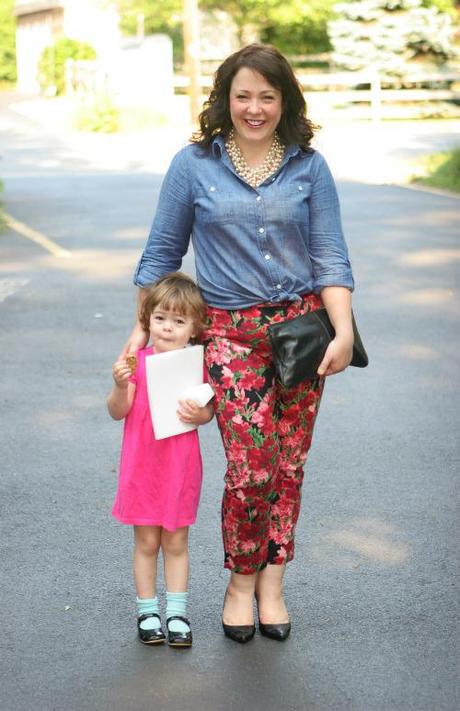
[294,126]
[175,292]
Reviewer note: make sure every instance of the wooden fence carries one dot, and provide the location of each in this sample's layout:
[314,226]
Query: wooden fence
[369,88]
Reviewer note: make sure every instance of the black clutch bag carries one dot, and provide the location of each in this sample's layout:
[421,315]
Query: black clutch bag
[299,345]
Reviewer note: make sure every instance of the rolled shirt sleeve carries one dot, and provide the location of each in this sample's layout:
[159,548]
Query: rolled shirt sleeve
[172,225]
[327,247]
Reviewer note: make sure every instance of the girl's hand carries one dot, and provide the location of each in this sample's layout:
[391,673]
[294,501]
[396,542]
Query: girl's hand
[121,373]
[192,414]
[338,355]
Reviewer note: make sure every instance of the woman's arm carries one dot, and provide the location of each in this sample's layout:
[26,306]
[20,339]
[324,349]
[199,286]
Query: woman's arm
[168,239]
[172,225]
[333,277]
[326,244]
[337,300]
[121,397]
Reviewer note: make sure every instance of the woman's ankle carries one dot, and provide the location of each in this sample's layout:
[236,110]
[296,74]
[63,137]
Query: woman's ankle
[242,584]
[269,593]
[238,603]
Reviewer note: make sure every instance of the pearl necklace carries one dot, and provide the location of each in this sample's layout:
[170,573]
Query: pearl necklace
[255,176]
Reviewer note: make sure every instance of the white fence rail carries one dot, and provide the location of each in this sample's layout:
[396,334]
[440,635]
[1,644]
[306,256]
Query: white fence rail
[342,88]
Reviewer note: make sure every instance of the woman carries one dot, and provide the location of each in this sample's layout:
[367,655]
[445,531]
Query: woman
[262,210]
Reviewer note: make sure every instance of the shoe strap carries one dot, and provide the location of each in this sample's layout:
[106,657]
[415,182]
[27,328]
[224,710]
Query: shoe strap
[178,617]
[146,615]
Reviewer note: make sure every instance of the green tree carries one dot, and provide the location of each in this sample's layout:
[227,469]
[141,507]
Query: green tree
[157,17]
[295,26]
[449,6]
[7,41]
[299,27]
[51,67]
[390,35]
[164,16]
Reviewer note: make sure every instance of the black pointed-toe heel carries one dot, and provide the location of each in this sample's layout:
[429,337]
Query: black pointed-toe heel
[279,631]
[179,639]
[154,636]
[239,633]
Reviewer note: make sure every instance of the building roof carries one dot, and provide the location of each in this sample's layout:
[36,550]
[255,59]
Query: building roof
[25,7]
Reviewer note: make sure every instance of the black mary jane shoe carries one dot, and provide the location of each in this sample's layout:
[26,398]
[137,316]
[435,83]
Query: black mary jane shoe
[278,631]
[154,636]
[179,639]
[239,633]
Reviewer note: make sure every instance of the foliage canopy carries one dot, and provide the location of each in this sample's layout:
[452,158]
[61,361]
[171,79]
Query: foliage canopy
[7,41]
[51,67]
[295,26]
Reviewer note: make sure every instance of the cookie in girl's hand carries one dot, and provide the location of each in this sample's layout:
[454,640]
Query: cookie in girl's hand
[131,362]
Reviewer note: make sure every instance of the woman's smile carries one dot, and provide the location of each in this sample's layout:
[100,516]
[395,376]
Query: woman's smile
[254,124]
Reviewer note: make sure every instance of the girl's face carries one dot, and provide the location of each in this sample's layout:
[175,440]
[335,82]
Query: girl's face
[170,330]
[255,107]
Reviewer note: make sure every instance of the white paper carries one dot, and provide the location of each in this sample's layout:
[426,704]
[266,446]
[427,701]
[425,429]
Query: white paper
[201,394]
[169,376]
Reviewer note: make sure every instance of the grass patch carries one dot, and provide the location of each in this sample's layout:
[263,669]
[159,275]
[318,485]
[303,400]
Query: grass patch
[7,85]
[138,118]
[441,170]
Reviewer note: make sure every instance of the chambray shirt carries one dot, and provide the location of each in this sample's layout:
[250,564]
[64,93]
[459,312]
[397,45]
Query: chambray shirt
[252,245]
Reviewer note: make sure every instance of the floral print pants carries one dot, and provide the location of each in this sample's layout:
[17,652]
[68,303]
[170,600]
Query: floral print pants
[266,431]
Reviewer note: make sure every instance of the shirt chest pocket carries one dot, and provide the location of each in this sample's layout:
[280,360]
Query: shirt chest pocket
[218,208]
[288,204]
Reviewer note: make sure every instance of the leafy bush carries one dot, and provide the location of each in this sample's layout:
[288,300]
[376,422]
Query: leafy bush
[51,67]
[98,114]
[7,42]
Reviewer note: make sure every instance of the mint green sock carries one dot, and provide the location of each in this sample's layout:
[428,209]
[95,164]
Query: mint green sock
[176,604]
[145,605]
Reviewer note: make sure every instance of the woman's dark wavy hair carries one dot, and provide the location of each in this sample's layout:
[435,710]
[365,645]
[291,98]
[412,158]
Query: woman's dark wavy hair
[294,126]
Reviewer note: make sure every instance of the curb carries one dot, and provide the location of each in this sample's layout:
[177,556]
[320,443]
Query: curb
[426,189]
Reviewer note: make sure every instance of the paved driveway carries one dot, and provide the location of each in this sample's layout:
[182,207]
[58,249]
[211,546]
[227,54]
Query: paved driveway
[372,593]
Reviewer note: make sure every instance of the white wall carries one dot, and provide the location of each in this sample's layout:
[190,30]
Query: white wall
[143,73]
[95,22]
[31,40]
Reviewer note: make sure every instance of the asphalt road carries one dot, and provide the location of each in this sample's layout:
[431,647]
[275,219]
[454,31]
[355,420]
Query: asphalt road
[372,592]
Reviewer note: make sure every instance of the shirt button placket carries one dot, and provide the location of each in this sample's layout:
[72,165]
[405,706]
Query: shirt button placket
[261,231]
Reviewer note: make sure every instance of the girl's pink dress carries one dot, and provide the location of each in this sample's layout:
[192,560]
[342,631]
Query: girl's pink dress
[160,480]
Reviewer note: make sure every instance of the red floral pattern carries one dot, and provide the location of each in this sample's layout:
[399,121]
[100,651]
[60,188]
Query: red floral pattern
[266,431]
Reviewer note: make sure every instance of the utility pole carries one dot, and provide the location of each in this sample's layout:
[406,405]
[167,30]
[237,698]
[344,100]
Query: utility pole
[191,29]
[140,27]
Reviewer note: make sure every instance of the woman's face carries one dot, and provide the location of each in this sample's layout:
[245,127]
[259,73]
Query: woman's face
[255,107]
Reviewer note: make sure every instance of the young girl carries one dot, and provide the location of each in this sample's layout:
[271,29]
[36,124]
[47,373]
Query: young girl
[160,480]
